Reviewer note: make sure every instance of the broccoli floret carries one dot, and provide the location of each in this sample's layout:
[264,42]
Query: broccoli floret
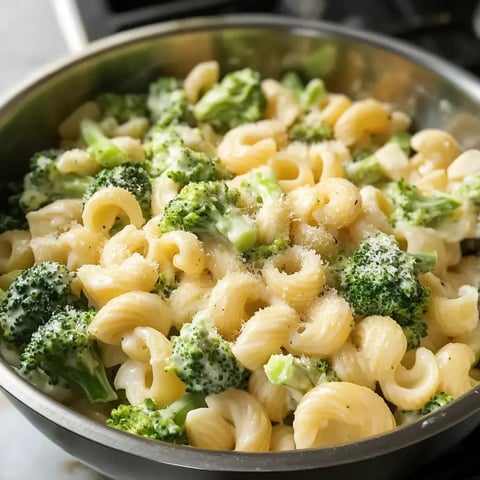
[380,279]
[261,188]
[414,333]
[167,102]
[165,285]
[122,107]
[168,155]
[468,191]
[147,420]
[403,140]
[209,209]
[45,183]
[237,99]
[298,374]
[203,360]
[411,206]
[309,95]
[132,177]
[100,147]
[364,171]
[309,132]
[13,217]
[440,400]
[63,349]
[293,82]
[262,252]
[32,298]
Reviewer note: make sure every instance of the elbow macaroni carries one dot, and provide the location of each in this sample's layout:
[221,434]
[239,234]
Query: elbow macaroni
[287,303]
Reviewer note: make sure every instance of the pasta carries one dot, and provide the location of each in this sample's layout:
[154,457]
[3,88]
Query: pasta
[291,264]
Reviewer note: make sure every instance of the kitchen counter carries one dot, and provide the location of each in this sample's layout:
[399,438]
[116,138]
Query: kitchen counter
[29,39]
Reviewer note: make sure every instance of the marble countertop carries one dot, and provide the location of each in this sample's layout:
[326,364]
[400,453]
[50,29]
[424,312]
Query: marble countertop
[29,39]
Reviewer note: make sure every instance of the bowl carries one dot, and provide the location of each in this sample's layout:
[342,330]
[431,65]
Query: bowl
[359,64]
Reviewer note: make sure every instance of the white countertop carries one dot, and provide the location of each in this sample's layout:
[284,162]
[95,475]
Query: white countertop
[29,39]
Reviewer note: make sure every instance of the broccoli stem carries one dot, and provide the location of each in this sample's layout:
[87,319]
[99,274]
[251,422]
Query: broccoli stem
[425,261]
[102,149]
[238,229]
[90,376]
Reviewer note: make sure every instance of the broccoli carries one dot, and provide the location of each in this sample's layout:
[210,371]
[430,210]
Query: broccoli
[293,82]
[209,209]
[32,298]
[132,177]
[366,170]
[167,102]
[298,374]
[468,191]
[261,252]
[122,107]
[380,279]
[439,400]
[165,285]
[403,140]
[100,147]
[203,360]
[309,132]
[13,217]
[147,420]
[309,95]
[63,348]
[411,206]
[261,188]
[168,155]
[45,183]
[414,333]
[237,99]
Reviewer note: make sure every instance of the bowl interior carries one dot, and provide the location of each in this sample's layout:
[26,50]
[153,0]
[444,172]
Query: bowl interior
[435,93]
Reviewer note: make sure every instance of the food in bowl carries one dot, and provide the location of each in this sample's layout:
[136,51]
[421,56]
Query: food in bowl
[244,264]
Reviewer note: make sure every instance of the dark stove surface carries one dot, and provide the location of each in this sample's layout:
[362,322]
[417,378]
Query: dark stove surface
[443,27]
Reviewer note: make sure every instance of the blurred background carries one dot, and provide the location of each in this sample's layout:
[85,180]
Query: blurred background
[34,33]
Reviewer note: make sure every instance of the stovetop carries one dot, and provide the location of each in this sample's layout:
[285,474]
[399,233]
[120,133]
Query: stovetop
[448,28]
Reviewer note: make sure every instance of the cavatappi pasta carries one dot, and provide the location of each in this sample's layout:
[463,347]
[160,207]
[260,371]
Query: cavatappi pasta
[344,171]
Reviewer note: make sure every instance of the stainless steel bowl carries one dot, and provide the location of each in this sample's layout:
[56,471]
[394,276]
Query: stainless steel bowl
[434,92]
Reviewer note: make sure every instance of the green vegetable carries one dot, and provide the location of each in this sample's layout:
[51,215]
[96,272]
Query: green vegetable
[309,95]
[122,107]
[261,189]
[365,171]
[13,217]
[403,141]
[132,177]
[380,279]
[33,297]
[168,155]
[147,420]
[62,348]
[438,401]
[298,374]
[100,147]
[209,209]
[45,183]
[308,132]
[237,99]
[203,360]
[468,191]
[414,333]
[167,102]
[411,206]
